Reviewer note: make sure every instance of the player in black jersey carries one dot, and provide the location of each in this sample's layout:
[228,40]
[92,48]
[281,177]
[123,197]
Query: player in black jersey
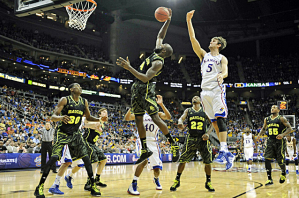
[197,140]
[278,127]
[143,91]
[69,113]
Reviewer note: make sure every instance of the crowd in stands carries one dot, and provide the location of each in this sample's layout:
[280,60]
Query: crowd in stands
[48,42]
[271,69]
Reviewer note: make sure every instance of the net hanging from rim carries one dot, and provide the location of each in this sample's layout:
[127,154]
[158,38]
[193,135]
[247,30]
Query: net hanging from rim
[79,13]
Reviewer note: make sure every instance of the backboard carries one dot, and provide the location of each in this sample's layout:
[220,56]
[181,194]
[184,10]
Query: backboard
[30,7]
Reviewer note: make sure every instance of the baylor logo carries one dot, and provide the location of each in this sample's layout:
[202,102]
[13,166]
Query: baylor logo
[152,108]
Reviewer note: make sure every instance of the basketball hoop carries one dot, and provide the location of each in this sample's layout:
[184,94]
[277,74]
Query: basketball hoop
[79,13]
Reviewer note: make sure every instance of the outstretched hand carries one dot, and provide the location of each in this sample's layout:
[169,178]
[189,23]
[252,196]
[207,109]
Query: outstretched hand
[189,15]
[205,137]
[170,13]
[123,63]
[159,99]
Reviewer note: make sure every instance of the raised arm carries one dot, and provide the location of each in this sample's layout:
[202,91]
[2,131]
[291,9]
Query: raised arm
[151,72]
[87,114]
[182,118]
[56,115]
[163,30]
[165,115]
[129,116]
[287,125]
[195,44]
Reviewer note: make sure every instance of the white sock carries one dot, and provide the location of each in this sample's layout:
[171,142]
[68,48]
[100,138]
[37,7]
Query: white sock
[287,167]
[56,182]
[70,174]
[135,178]
[296,167]
[223,147]
[249,167]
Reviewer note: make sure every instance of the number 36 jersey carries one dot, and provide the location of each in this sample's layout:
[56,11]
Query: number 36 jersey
[197,122]
[75,110]
[275,126]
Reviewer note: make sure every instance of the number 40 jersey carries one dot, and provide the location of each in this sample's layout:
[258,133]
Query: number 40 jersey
[150,127]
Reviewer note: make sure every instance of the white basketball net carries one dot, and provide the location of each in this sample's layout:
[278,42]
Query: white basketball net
[79,13]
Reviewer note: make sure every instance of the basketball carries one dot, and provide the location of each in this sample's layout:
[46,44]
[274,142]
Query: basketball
[161,14]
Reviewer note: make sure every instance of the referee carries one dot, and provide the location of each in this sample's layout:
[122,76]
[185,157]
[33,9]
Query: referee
[47,134]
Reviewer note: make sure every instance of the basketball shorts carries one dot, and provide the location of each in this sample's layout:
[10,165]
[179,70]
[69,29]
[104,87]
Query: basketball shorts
[275,149]
[76,144]
[291,155]
[248,153]
[155,159]
[194,144]
[214,102]
[66,157]
[144,98]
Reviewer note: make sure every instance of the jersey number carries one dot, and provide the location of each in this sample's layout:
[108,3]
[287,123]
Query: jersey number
[273,131]
[198,127]
[96,138]
[247,141]
[74,120]
[149,127]
[210,67]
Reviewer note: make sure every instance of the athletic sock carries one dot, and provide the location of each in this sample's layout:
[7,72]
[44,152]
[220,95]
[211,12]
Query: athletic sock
[208,178]
[70,174]
[143,143]
[223,146]
[169,138]
[97,177]
[268,168]
[178,176]
[287,167]
[249,167]
[135,179]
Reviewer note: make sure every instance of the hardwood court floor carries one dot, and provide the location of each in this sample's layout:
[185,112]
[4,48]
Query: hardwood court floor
[236,183]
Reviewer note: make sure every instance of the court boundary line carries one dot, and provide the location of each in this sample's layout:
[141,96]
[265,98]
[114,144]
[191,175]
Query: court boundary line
[260,185]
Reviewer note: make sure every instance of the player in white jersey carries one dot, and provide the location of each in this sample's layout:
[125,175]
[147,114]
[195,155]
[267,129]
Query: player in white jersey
[291,153]
[152,143]
[213,70]
[247,141]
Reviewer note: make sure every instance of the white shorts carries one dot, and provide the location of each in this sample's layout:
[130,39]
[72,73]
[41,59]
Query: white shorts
[155,159]
[214,102]
[248,153]
[291,157]
[66,157]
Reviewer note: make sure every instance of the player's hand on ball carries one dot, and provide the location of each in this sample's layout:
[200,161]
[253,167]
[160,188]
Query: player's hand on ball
[123,63]
[159,99]
[279,137]
[170,13]
[190,15]
[205,137]
[66,119]
[220,78]
[181,126]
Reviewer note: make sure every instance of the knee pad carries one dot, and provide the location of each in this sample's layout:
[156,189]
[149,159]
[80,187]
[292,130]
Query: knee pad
[221,124]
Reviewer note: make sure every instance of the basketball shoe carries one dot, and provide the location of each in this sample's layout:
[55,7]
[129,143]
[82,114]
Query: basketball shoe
[145,153]
[99,183]
[87,186]
[282,179]
[297,172]
[221,158]
[133,189]
[55,191]
[269,182]
[208,186]
[175,185]
[287,171]
[230,160]
[39,191]
[95,191]
[68,180]
[158,185]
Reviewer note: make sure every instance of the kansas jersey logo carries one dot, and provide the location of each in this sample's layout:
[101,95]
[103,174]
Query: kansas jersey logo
[222,109]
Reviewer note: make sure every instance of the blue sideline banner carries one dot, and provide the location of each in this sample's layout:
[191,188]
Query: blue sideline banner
[33,160]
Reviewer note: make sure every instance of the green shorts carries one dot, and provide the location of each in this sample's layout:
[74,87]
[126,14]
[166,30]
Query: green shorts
[194,144]
[275,149]
[96,155]
[144,98]
[77,145]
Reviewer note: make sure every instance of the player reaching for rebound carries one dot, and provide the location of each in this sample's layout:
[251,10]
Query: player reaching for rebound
[247,141]
[291,153]
[69,113]
[278,127]
[143,91]
[197,140]
[152,135]
[97,157]
[213,70]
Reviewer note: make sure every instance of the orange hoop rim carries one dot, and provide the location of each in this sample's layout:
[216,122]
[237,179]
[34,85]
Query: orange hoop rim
[75,9]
